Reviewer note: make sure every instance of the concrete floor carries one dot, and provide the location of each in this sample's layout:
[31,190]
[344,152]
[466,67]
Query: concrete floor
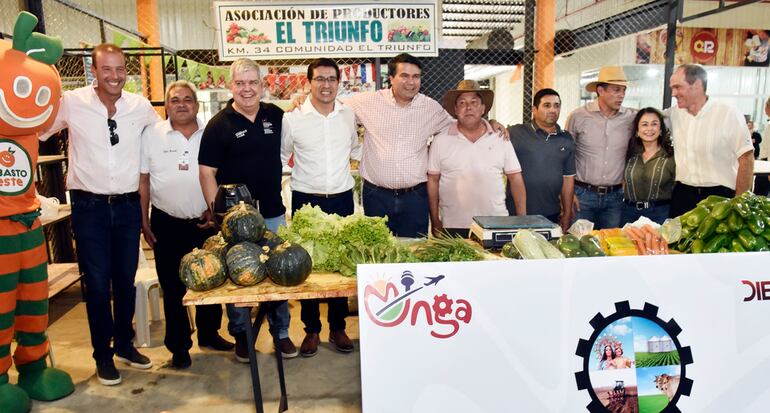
[330,382]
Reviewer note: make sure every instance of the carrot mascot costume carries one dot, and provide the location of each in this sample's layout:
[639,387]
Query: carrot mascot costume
[30,89]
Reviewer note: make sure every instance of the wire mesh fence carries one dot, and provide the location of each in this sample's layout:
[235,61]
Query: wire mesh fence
[588,34]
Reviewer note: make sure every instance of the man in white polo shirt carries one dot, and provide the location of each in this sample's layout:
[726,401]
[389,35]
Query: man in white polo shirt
[105,124]
[180,219]
[712,146]
[466,165]
[322,135]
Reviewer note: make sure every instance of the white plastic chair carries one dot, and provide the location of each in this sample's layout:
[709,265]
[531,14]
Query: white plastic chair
[147,295]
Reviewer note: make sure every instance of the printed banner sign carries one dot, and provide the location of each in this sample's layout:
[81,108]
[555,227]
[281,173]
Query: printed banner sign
[302,30]
[715,47]
[611,334]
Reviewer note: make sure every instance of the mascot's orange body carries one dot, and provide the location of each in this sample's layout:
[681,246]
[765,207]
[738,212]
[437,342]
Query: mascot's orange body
[30,90]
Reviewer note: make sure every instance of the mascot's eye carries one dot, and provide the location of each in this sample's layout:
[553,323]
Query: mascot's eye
[22,86]
[43,96]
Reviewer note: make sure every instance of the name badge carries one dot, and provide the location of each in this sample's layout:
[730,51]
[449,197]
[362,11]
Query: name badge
[184,161]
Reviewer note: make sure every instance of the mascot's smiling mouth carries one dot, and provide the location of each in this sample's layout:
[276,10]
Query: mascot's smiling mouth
[7,115]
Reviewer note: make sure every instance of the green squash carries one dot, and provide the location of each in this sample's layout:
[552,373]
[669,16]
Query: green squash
[270,240]
[217,245]
[202,270]
[246,264]
[289,265]
[243,223]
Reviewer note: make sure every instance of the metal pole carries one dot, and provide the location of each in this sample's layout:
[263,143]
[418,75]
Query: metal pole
[377,75]
[674,8]
[36,7]
[529,57]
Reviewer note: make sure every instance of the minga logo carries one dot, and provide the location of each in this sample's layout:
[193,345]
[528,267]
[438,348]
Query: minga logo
[387,306]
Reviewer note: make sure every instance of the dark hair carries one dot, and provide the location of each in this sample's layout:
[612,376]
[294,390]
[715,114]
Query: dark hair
[322,62]
[543,93]
[693,72]
[635,146]
[105,48]
[604,352]
[402,58]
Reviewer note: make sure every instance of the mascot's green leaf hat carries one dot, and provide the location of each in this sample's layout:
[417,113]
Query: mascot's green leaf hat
[38,46]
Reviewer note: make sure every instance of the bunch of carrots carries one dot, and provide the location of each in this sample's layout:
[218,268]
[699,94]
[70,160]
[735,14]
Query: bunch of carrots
[648,240]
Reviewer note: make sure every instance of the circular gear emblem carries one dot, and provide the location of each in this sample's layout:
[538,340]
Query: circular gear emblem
[633,362]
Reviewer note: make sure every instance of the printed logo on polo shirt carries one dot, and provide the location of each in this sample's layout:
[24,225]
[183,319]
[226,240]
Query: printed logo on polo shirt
[15,168]
[267,126]
[240,133]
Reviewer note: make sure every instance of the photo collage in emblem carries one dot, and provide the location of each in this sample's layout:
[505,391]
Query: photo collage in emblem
[634,366]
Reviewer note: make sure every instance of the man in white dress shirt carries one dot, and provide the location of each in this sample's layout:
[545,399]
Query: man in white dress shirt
[105,124]
[322,135]
[180,219]
[712,146]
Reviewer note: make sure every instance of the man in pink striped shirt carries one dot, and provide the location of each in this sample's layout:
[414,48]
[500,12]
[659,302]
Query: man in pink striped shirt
[394,162]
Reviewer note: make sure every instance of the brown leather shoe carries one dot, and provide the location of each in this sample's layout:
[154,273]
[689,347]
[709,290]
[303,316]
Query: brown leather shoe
[341,341]
[309,346]
[287,349]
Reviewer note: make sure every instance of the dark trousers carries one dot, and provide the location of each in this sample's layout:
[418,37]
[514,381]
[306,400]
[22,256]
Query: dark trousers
[458,232]
[761,185]
[686,197]
[107,237]
[176,237]
[341,204]
[407,212]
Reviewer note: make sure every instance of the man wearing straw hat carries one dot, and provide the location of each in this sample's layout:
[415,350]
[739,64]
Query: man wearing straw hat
[465,163]
[602,130]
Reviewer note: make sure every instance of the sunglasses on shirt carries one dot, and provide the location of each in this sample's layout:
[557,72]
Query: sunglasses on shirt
[114,138]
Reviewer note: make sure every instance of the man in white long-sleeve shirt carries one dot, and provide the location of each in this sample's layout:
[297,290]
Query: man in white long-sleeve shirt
[322,136]
[105,124]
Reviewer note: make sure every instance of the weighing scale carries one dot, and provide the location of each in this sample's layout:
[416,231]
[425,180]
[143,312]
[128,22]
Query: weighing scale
[494,232]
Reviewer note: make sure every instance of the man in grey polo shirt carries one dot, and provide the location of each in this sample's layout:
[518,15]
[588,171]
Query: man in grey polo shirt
[602,130]
[547,156]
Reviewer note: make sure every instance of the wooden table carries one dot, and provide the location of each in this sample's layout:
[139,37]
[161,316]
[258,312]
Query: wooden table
[61,276]
[318,285]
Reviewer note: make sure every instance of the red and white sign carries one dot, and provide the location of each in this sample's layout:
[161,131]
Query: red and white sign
[704,46]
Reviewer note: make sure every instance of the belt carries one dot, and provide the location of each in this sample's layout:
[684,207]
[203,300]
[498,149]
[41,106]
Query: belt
[599,189]
[110,199]
[647,204]
[327,195]
[395,192]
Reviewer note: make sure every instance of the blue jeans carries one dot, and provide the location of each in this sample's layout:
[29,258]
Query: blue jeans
[278,319]
[407,212]
[107,237]
[603,210]
[656,213]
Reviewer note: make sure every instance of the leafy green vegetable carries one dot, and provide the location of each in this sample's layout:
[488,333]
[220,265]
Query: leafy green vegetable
[376,254]
[328,237]
[448,248]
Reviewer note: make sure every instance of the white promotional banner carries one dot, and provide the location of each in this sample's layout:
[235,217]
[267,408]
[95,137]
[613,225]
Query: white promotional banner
[647,334]
[300,30]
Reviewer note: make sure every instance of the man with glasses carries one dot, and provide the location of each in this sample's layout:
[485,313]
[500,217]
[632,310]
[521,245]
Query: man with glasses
[180,218]
[322,136]
[242,145]
[466,164]
[105,124]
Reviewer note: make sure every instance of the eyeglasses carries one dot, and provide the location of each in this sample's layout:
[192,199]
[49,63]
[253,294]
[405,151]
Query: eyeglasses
[321,79]
[114,138]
